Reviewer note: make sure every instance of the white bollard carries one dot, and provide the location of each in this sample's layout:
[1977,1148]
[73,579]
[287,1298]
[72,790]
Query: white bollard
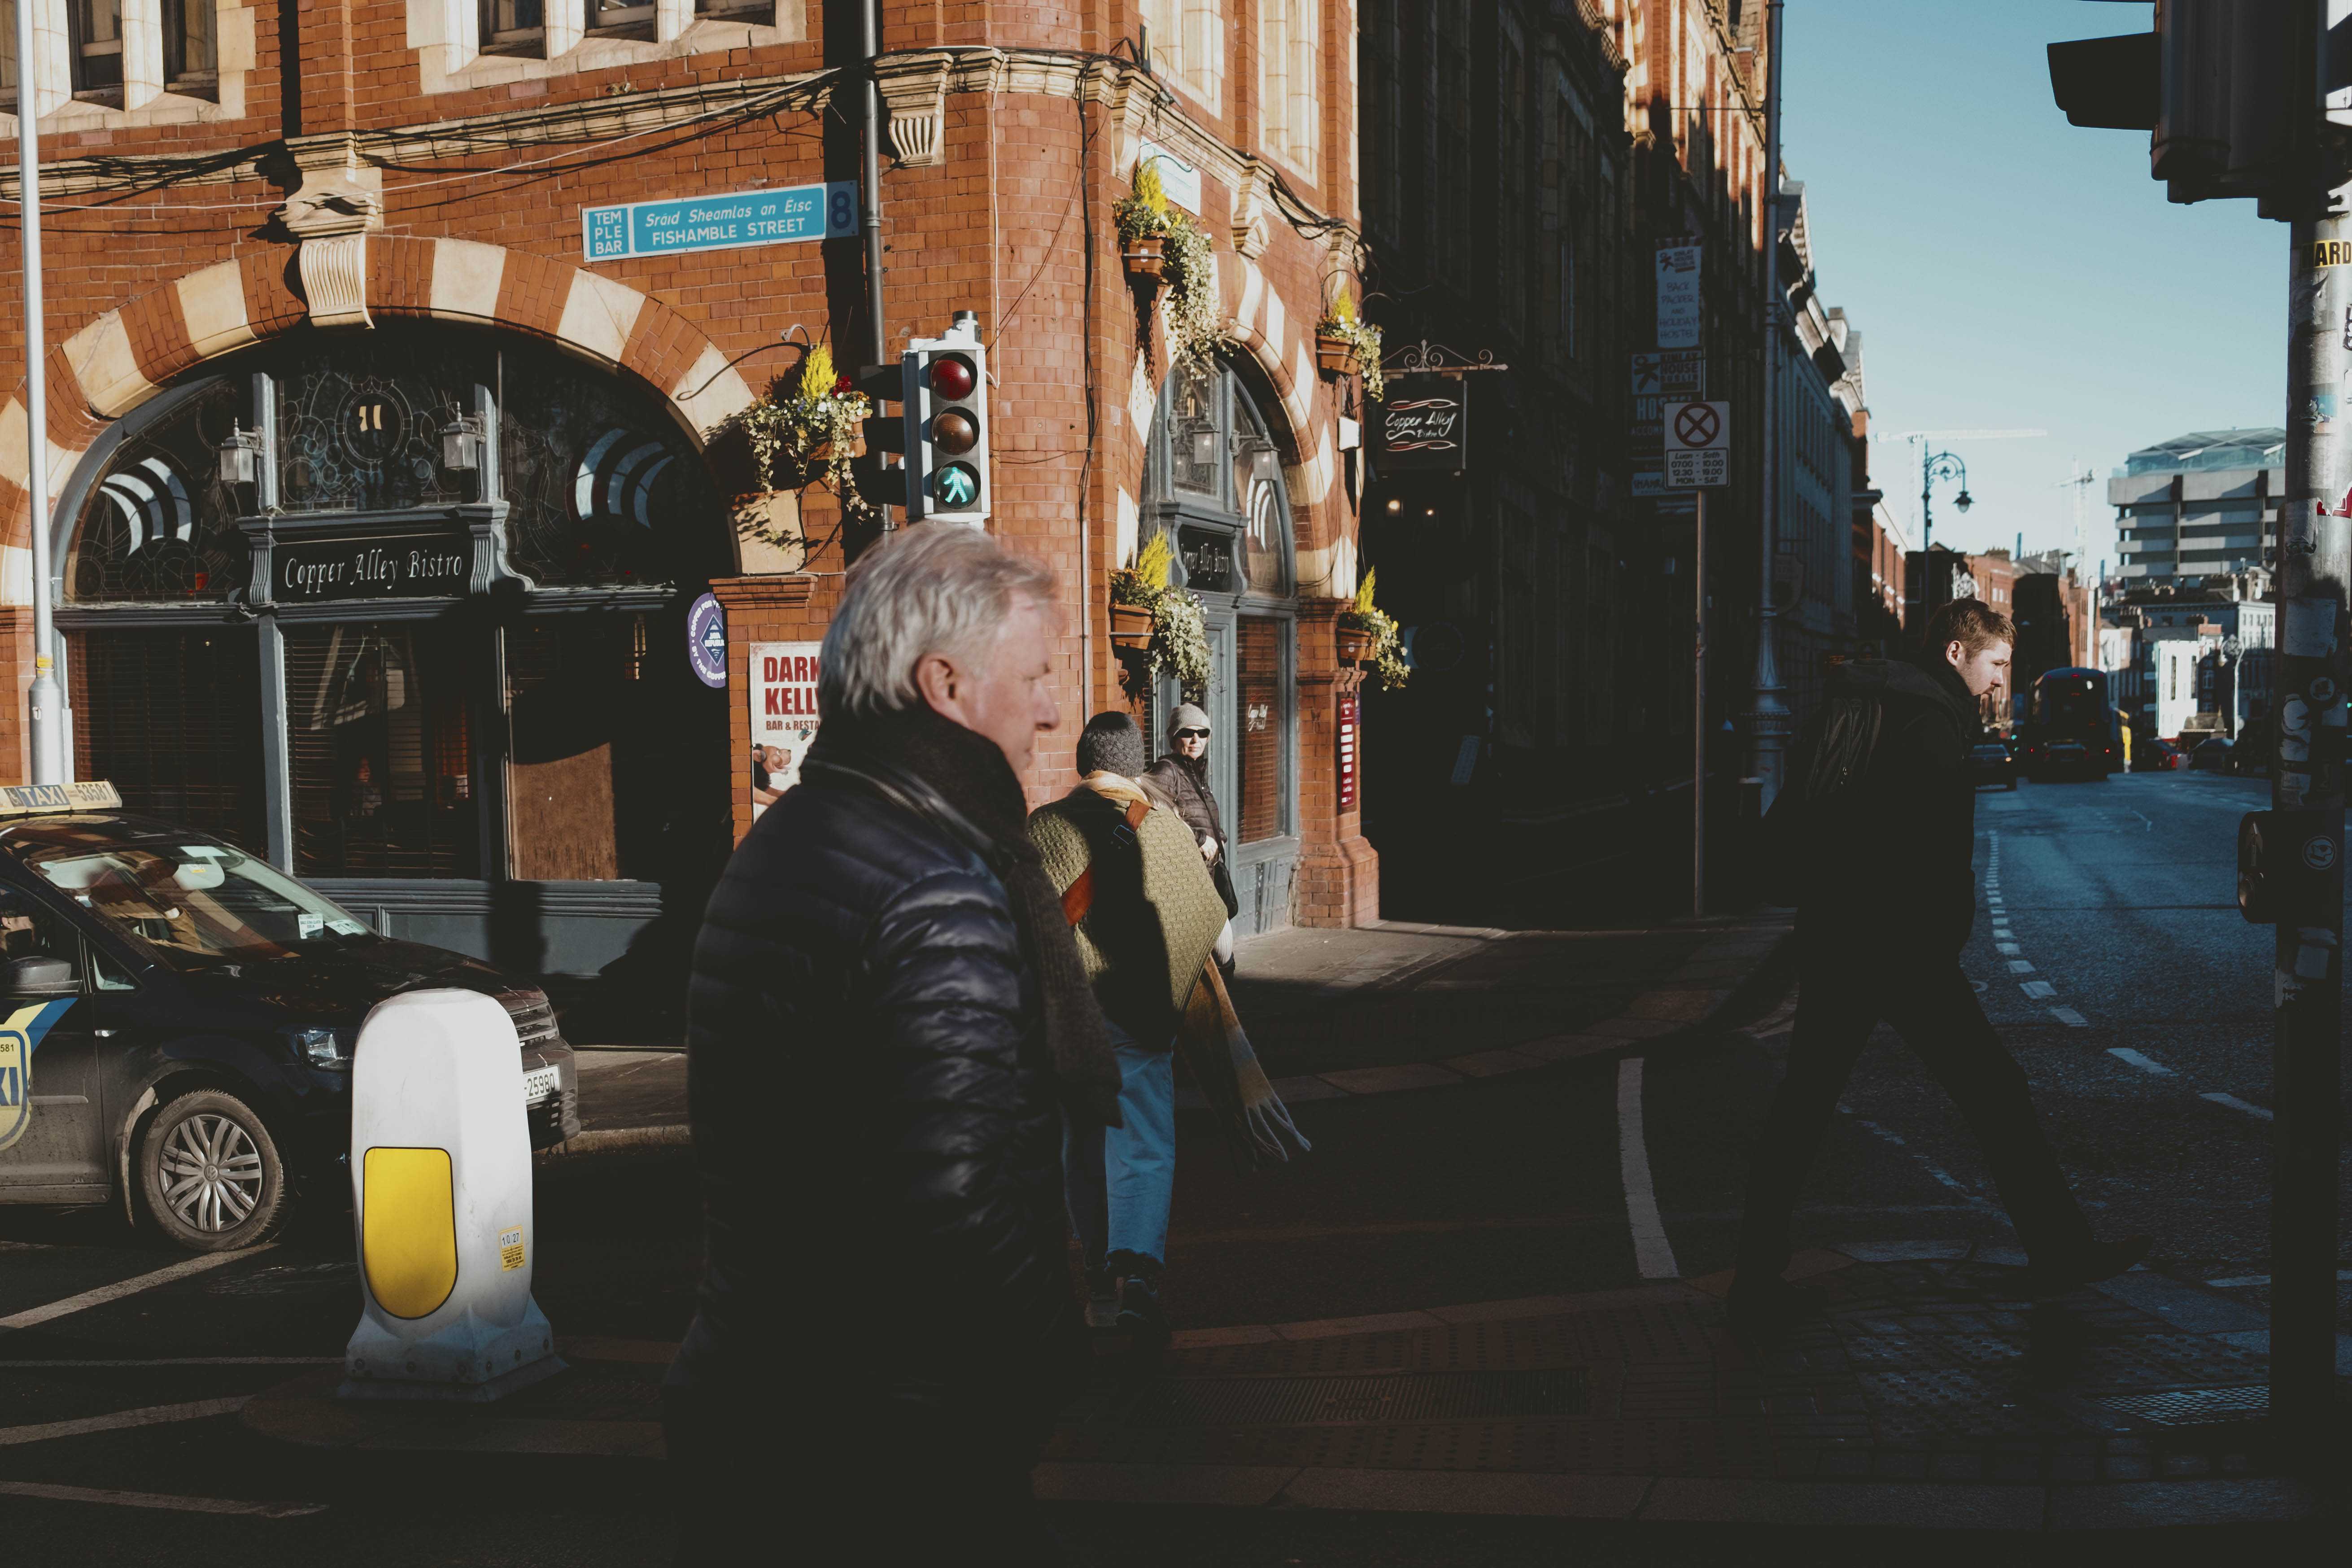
[441,1195]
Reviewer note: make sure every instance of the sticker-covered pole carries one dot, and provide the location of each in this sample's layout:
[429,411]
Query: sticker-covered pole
[47,699]
[2314,565]
[1699,702]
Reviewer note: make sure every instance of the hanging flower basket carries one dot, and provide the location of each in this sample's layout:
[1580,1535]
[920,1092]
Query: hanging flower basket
[1147,258]
[1334,356]
[1131,626]
[1355,644]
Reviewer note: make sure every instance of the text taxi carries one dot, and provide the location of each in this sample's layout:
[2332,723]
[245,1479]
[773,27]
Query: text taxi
[177,1018]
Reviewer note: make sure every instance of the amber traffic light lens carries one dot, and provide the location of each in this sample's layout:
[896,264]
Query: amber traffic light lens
[954,432]
[951,376]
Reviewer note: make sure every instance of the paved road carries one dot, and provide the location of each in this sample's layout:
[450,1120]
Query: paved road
[2118,894]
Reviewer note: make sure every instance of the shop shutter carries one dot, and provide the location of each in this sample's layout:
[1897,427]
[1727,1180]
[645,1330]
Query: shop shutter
[380,750]
[173,719]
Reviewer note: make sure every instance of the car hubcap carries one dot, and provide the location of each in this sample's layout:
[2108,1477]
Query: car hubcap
[212,1173]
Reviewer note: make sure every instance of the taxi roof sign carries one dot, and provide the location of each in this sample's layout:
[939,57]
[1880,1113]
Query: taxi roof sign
[89,795]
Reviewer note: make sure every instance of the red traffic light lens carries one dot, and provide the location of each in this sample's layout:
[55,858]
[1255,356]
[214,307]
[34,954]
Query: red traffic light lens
[954,432]
[951,376]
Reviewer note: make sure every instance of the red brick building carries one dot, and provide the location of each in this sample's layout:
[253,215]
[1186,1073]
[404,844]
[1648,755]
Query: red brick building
[432,653]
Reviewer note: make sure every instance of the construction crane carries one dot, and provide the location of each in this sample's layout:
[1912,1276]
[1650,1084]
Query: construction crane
[2081,485]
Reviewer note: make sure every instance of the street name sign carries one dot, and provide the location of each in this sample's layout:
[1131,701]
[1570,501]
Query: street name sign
[1698,445]
[681,224]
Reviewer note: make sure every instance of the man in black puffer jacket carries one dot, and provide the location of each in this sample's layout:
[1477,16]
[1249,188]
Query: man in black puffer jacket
[887,1022]
[1873,839]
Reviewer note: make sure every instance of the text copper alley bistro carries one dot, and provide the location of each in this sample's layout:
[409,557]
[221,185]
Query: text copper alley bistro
[375,569]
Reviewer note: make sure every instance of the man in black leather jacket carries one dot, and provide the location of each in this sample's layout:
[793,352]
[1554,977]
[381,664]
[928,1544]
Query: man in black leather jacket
[882,1044]
[1873,835]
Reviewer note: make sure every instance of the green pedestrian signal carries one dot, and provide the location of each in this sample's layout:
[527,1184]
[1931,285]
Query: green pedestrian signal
[957,486]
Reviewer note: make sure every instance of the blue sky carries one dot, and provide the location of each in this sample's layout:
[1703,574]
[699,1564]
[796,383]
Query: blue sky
[2008,270]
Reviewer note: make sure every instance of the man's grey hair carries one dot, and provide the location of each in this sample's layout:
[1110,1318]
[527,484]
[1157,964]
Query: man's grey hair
[934,587]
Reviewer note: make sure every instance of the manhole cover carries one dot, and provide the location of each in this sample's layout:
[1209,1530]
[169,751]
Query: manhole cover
[1314,1401]
[2191,1406]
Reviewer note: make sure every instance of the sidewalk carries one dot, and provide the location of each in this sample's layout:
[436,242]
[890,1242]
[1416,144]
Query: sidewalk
[1374,1010]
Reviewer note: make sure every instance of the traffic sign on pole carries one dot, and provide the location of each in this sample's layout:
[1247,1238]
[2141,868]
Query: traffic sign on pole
[1698,445]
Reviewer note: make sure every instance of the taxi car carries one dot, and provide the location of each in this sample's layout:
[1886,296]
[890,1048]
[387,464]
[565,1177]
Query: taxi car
[178,1019]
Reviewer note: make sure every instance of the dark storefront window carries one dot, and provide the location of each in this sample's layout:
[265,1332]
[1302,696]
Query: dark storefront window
[1264,723]
[173,718]
[161,527]
[380,750]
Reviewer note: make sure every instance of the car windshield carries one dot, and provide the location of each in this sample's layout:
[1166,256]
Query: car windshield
[193,902]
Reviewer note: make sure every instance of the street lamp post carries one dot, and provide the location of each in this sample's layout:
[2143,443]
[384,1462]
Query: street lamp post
[1934,465]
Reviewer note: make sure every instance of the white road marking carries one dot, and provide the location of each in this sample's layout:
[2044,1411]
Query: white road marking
[1653,1255]
[2234,1103]
[2018,966]
[2003,934]
[2071,1018]
[2237,1281]
[2038,989]
[2145,1063]
[1937,1172]
[116,1421]
[158,1500]
[2007,948]
[34,1316]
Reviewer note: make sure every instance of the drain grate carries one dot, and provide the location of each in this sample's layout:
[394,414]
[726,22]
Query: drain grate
[2191,1406]
[1397,1397]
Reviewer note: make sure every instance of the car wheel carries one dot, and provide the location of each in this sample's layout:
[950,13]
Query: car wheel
[209,1175]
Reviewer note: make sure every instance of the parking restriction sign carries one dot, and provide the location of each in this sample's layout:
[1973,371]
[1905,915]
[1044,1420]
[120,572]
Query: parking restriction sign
[1698,444]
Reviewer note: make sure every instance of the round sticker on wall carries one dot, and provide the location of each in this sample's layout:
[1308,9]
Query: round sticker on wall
[706,640]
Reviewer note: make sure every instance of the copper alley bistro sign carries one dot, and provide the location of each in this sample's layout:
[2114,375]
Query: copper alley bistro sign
[1424,425]
[396,566]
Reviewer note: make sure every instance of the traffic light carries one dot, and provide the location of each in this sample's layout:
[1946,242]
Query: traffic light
[946,381]
[2228,89]
[886,431]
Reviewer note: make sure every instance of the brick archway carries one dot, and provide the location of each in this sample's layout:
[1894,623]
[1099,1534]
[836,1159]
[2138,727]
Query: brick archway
[129,355]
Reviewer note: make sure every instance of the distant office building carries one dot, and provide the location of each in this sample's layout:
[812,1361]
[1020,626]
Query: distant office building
[2198,506]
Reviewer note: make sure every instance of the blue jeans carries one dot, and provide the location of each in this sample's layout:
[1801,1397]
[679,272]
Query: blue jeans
[1119,1181]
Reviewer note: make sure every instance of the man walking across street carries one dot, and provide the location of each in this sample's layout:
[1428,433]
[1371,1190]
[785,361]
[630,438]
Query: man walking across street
[888,1022]
[1875,836]
[1146,916]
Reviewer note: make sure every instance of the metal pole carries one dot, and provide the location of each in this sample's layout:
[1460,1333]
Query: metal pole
[1698,703]
[2315,564]
[1927,534]
[48,701]
[871,219]
[1769,718]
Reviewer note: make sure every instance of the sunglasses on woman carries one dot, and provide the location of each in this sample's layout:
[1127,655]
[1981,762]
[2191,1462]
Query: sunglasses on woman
[1191,734]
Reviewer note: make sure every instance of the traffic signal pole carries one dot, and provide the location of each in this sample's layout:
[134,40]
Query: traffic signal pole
[2315,564]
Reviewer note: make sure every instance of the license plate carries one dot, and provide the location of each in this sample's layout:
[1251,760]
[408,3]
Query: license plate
[539,1083]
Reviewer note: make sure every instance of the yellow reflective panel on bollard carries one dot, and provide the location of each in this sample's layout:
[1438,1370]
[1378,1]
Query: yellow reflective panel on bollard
[441,1193]
[408,1236]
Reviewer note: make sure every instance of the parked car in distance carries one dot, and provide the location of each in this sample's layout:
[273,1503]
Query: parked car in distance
[2156,756]
[2067,759]
[1992,763]
[2214,755]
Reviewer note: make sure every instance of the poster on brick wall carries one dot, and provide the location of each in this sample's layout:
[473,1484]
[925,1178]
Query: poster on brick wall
[783,717]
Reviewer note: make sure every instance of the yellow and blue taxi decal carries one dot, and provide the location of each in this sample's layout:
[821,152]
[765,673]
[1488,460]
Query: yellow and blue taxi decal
[20,1035]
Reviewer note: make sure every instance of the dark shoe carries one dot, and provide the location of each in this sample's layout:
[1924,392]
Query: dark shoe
[2099,1260]
[1139,1307]
[1761,1309]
